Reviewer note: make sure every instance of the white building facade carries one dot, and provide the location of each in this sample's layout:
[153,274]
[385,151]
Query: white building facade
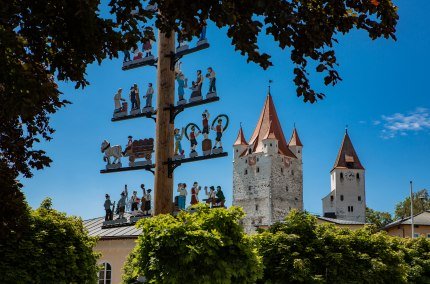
[267,172]
[347,198]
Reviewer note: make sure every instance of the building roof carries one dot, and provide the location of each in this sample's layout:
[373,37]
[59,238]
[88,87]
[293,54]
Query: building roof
[347,158]
[295,139]
[268,124]
[94,227]
[240,140]
[340,222]
[421,219]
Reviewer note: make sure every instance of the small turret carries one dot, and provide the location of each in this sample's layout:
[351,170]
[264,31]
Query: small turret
[270,142]
[295,144]
[240,145]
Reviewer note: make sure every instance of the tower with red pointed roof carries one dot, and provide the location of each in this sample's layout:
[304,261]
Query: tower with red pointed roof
[267,171]
[347,198]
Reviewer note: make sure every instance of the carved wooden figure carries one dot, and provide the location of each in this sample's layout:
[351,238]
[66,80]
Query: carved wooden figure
[140,149]
[120,109]
[111,151]
[148,99]
[212,81]
[196,88]
[179,152]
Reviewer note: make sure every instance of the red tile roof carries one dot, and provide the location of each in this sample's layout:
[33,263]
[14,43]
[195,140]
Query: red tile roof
[295,140]
[347,158]
[240,140]
[269,125]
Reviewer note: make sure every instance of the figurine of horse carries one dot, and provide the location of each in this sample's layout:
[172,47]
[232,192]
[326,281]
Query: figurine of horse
[111,151]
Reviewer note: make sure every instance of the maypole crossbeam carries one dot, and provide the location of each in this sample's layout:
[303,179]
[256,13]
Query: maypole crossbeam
[150,115]
[172,165]
[175,110]
[148,168]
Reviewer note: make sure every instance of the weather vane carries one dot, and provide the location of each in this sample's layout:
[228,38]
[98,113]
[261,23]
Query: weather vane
[270,82]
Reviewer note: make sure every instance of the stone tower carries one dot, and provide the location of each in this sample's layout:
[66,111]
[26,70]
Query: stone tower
[267,172]
[347,199]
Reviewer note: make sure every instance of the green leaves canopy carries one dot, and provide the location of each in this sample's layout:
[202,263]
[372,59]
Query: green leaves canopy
[299,250]
[207,246]
[52,248]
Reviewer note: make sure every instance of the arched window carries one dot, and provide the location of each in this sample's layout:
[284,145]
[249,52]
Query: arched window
[105,274]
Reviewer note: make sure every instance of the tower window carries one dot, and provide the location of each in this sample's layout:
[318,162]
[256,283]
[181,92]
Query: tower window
[359,198]
[256,207]
[352,208]
[258,169]
[270,144]
[249,187]
[258,160]
[292,172]
[246,161]
[298,151]
[286,188]
[331,197]
[341,198]
[282,170]
[237,150]
[358,176]
[341,175]
[246,172]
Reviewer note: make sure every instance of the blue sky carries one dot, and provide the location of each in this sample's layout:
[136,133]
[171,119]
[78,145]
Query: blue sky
[383,98]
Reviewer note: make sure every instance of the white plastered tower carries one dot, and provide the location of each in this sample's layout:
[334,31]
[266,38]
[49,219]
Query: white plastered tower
[267,172]
[347,198]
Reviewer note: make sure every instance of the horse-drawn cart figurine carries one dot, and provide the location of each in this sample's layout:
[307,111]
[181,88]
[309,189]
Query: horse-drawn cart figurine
[140,149]
[111,151]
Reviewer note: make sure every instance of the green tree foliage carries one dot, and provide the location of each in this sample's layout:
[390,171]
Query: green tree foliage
[421,203]
[299,250]
[51,248]
[378,218]
[208,246]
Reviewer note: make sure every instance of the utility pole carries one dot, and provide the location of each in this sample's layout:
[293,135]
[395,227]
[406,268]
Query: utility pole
[163,185]
[412,212]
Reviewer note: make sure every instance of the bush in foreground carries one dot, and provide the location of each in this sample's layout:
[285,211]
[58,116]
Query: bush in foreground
[208,246]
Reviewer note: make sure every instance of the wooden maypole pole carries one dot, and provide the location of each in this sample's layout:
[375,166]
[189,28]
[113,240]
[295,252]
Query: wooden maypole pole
[163,185]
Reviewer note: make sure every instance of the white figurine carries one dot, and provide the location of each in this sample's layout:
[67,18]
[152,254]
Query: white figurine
[120,104]
[111,151]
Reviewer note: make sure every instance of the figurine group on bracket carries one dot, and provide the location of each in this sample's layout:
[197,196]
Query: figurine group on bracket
[196,86]
[215,198]
[192,132]
[135,149]
[136,57]
[137,206]
[121,105]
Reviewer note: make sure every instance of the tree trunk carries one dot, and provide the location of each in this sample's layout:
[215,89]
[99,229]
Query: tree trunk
[163,186]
